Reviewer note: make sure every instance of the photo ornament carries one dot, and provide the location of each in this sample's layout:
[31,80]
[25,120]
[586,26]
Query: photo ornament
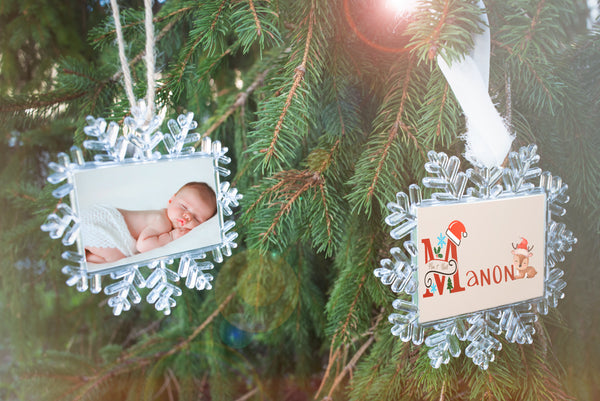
[135,213]
[148,210]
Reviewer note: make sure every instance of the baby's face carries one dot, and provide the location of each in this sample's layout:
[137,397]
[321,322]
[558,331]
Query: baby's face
[188,208]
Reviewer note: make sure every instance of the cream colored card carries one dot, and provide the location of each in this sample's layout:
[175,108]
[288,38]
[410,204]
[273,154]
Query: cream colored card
[480,255]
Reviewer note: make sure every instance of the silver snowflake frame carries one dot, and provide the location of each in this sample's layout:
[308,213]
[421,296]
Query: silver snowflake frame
[137,145]
[481,328]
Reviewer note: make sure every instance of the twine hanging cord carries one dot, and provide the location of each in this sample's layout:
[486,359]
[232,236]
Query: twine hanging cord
[149,57]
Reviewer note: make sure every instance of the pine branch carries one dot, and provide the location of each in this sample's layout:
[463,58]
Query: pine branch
[443,27]
[292,192]
[438,126]
[248,395]
[83,385]
[95,382]
[342,332]
[178,347]
[332,358]
[374,177]
[433,39]
[328,218]
[141,54]
[227,52]
[351,364]
[240,101]
[285,116]
[391,138]
[530,67]
[534,22]
[349,306]
[187,57]
[49,99]
[297,203]
[298,76]
[441,119]
[156,19]
[343,348]
[217,15]
[59,97]
[258,29]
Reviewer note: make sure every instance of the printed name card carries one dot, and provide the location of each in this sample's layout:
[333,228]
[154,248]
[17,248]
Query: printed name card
[479,255]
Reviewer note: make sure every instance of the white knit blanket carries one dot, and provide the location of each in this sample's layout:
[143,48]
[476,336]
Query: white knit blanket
[103,226]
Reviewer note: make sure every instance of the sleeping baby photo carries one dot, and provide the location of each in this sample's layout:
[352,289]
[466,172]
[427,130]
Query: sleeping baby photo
[140,212]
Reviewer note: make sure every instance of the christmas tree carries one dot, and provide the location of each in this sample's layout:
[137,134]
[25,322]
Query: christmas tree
[328,109]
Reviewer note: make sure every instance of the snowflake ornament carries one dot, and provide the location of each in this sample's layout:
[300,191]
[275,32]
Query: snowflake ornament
[138,143]
[444,294]
[124,292]
[162,289]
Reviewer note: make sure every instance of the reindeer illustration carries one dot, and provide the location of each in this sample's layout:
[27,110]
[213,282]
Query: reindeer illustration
[521,254]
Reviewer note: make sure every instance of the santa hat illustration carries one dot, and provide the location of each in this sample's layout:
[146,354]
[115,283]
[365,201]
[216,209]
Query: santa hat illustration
[455,231]
[522,249]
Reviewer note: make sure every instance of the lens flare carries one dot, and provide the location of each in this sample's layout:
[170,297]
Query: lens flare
[401,6]
[379,26]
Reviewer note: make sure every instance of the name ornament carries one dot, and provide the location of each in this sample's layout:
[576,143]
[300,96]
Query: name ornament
[479,258]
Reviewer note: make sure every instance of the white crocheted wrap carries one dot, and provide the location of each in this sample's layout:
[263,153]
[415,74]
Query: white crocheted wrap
[103,226]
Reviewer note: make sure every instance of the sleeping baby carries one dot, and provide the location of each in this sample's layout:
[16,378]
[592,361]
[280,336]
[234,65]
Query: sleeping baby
[110,234]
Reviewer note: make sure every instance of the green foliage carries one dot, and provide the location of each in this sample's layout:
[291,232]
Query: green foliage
[34,34]
[350,319]
[392,140]
[284,120]
[328,109]
[250,28]
[444,28]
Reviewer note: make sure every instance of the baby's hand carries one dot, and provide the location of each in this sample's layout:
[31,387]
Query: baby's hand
[179,232]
